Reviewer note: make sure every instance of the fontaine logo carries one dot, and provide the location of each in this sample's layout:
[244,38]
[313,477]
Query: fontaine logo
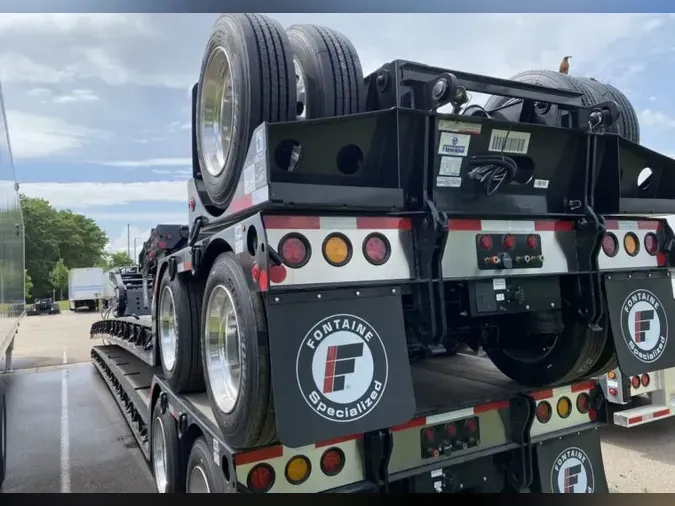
[342,368]
[644,326]
[572,473]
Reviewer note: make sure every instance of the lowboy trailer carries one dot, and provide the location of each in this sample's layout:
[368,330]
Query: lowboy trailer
[346,241]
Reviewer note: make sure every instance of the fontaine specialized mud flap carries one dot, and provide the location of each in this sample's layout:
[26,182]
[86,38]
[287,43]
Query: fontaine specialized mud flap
[339,363]
[570,465]
[642,313]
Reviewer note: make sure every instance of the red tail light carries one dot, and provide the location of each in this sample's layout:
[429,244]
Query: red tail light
[161,244]
[644,379]
[635,381]
[376,249]
[532,241]
[509,241]
[651,244]
[583,403]
[332,461]
[260,478]
[610,245]
[191,204]
[485,242]
[294,250]
[544,412]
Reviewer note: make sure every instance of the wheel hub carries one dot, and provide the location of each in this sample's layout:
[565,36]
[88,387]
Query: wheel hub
[216,107]
[168,333]
[222,348]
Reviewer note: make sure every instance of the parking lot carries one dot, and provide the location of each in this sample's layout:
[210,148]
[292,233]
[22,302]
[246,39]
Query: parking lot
[639,460]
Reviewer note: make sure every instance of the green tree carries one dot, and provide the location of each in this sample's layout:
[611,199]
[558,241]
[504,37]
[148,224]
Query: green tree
[53,234]
[28,285]
[58,277]
[119,259]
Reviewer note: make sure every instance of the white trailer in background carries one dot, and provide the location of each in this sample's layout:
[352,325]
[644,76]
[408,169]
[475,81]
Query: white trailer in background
[85,288]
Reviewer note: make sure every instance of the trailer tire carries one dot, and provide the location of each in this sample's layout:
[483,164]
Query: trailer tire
[3,437]
[178,312]
[200,465]
[247,417]
[575,351]
[328,73]
[253,51]
[168,469]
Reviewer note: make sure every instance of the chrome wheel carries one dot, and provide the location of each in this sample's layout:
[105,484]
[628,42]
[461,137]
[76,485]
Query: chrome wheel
[222,349]
[159,455]
[301,95]
[216,112]
[168,333]
[197,482]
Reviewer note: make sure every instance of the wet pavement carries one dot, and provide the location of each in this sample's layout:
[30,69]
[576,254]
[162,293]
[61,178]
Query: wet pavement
[66,434]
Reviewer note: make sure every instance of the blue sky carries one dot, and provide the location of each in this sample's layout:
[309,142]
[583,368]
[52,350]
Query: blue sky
[98,105]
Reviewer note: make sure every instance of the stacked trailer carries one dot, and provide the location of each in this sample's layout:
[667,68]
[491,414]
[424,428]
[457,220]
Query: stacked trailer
[344,236]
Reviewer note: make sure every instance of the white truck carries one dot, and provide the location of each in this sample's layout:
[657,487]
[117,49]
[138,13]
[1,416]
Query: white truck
[85,288]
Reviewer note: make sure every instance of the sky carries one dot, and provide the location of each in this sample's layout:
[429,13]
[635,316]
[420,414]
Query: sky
[98,105]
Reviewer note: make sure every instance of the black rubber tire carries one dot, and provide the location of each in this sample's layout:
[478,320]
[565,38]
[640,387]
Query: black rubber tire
[3,437]
[628,125]
[264,83]
[251,422]
[174,468]
[334,84]
[201,455]
[187,374]
[571,357]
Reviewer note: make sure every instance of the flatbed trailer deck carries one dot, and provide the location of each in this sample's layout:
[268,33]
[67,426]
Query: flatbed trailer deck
[452,389]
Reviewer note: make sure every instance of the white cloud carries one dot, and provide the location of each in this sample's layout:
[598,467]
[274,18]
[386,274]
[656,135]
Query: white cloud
[127,217]
[177,173]
[656,119]
[34,136]
[80,195]
[151,162]
[78,95]
[124,240]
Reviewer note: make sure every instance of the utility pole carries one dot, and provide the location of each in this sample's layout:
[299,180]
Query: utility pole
[129,240]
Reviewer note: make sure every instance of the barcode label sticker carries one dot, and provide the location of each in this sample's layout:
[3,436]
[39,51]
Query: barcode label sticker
[500,297]
[499,284]
[450,166]
[449,182]
[249,179]
[454,144]
[462,127]
[541,183]
[508,141]
[216,452]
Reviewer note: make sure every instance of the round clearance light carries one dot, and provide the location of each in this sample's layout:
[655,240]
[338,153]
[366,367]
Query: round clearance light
[635,381]
[631,244]
[294,250]
[610,245]
[337,250]
[260,478]
[532,241]
[376,249]
[298,470]
[332,461]
[564,407]
[651,243]
[544,412]
[645,380]
[611,375]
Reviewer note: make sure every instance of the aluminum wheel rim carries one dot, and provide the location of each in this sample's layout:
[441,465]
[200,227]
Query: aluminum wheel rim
[216,107]
[301,94]
[159,455]
[168,333]
[198,484]
[223,352]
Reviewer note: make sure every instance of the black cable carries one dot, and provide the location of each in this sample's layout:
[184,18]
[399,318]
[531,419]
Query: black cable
[492,171]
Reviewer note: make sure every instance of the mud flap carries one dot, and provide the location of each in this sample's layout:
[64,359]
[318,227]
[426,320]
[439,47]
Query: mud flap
[640,305]
[339,363]
[571,465]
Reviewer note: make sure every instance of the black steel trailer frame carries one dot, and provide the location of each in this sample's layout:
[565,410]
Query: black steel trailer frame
[518,464]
